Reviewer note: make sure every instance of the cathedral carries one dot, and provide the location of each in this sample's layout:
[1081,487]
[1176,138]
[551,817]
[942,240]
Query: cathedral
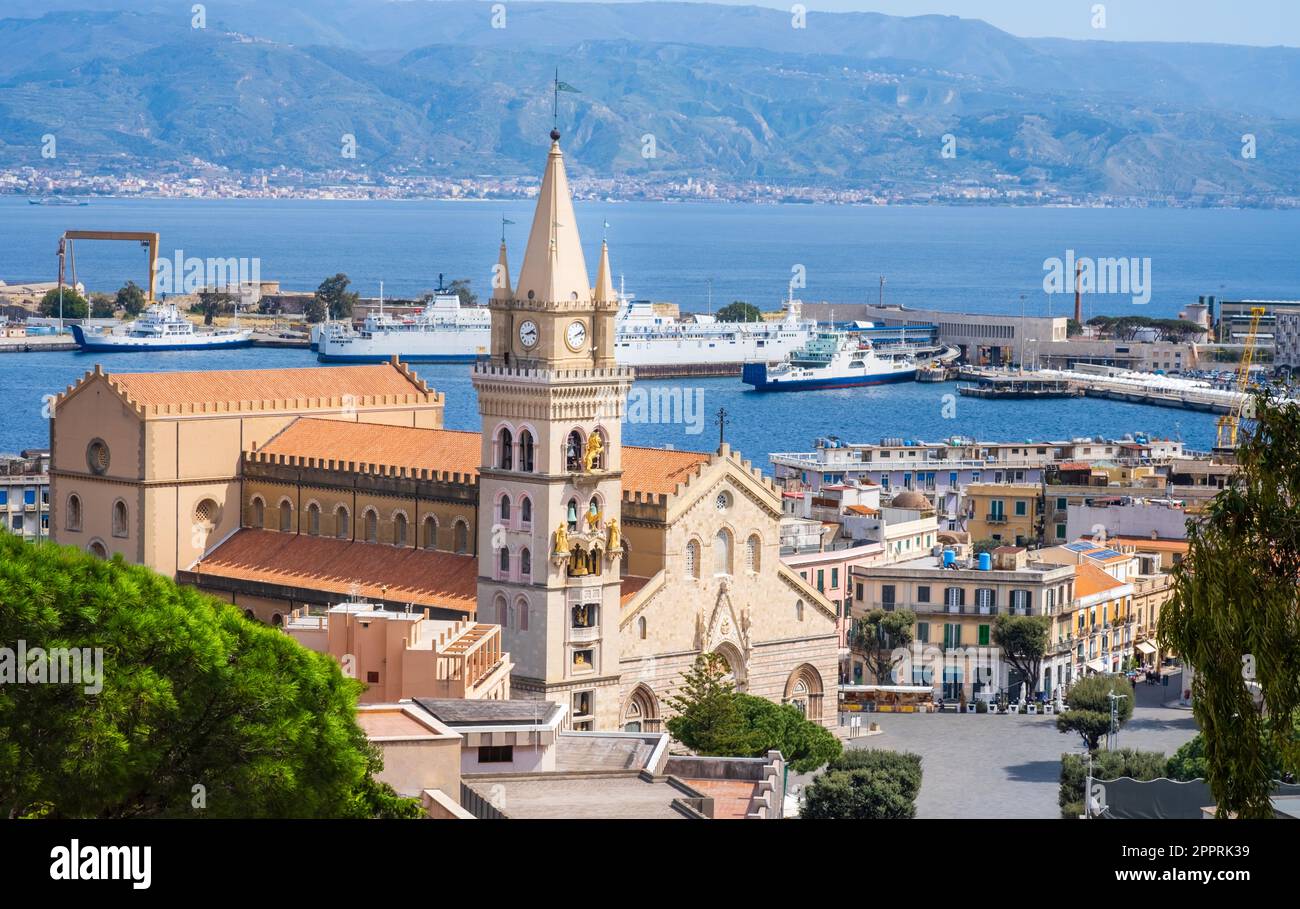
[610,568]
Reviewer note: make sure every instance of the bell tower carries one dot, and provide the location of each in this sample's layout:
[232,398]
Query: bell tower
[551,401]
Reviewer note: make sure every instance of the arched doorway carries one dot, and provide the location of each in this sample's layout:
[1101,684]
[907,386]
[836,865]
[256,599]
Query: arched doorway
[804,690]
[738,676]
[641,712]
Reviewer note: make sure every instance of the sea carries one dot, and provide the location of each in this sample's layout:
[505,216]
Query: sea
[700,256]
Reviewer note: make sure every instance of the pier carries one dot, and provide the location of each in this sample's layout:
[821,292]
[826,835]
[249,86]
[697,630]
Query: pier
[1134,387]
[1028,386]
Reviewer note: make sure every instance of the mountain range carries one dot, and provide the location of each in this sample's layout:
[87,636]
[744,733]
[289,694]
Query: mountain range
[728,93]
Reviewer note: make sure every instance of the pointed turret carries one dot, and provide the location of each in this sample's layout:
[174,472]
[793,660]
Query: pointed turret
[501,277]
[554,269]
[603,292]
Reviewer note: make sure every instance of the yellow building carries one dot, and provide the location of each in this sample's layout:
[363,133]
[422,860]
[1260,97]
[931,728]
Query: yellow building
[1010,513]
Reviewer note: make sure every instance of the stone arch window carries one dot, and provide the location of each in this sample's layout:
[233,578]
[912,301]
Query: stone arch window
[525,512]
[526,451]
[521,613]
[277,620]
[342,523]
[461,536]
[502,611]
[753,553]
[604,449]
[804,690]
[798,610]
[74,513]
[506,449]
[641,714]
[371,519]
[399,529]
[503,509]
[205,513]
[503,563]
[574,445]
[525,565]
[286,516]
[121,522]
[313,519]
[430,532]
[571,515]
[248,614]
[259,512]
[722,552]
[693,559]
[737,673]
[641,628]
[98,550]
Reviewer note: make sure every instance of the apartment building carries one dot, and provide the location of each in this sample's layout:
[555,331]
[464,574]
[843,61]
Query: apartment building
[1005,512]
[25,494]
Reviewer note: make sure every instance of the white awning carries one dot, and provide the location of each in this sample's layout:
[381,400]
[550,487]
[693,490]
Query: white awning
[1096,666]
[1146,647]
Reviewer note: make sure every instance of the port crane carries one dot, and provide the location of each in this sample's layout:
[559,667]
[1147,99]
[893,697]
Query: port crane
[144,238]
[1229,423]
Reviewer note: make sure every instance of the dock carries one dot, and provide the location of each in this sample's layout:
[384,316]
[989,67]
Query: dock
[1025,387]
[1133,387]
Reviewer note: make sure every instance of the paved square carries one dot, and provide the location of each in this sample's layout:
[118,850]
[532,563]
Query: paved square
[981,766]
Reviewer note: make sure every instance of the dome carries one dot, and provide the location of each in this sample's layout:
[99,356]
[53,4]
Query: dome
[910,498]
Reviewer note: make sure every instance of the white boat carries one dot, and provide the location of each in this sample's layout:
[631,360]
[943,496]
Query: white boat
[444,331]
[833,359]
[647,336]
[161,327]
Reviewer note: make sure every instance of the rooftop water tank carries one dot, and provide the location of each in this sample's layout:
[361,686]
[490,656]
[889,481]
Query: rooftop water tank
[986,562]
[949,558]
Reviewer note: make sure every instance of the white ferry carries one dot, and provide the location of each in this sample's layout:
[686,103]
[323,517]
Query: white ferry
[444,331]
[832,359]
[647,337]
[161,327]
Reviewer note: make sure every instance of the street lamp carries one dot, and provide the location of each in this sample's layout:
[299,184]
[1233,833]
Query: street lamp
[1112,738]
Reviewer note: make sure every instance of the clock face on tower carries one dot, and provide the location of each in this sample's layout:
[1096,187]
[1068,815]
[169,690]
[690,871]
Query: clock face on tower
[575,335]
[528,333]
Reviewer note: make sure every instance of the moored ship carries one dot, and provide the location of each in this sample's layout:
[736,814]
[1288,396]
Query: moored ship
[161,327]
[832,359]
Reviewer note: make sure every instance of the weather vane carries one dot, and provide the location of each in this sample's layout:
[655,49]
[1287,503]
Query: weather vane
[722,426]
[555,101]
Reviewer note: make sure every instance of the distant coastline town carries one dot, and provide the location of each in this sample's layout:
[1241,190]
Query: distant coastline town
[197,179]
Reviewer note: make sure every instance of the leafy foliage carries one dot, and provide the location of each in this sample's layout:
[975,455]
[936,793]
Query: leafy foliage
[74,304]
[461,288]
[714,719]
[332,300]
[740,311]
[865,784]
[102,306]
[1235,614]
[1024,640]
[1089,703]
[1106,765]
[193,694]
[131,299]
[213,303]
[878,634]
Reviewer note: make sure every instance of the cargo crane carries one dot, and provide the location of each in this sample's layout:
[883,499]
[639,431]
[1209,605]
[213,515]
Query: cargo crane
[144,238]
[1230,422]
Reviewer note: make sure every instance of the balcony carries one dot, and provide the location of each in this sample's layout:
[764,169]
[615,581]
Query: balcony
[995,519]
[986,610]
[955,610]
[584,635]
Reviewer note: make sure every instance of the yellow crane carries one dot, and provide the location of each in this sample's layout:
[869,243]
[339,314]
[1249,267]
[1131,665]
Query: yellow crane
[146,239]
[1230,422]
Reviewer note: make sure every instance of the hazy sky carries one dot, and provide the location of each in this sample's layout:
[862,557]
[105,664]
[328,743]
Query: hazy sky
[1265,22]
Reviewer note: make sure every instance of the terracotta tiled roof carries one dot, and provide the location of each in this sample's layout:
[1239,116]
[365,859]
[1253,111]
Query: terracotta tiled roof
[1151,545]
[731,798]
[1090,580]
[422,577]
[862,510]
[631,587]
[656,470]
[220,386]
[371,443]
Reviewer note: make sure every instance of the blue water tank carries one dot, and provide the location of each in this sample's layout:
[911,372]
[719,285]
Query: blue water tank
[986,562]
[949,558]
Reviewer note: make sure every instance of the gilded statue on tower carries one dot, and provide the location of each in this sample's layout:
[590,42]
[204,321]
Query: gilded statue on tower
[595,447]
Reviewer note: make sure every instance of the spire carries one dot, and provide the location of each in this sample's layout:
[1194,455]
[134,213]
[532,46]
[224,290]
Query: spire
[554,269]
[501,277]
[604,290]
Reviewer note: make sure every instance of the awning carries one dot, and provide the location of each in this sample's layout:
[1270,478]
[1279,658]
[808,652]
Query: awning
[1146,647]
[1096,666]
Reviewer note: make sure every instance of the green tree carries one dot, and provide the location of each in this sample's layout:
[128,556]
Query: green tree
[460,287]
[131,299]
[74,304]
[213,303]
[708,717]
[1090,704]
[879,634]
[1072,328]
[191,694]
[979,547]
[865,784]
[1023,640]
[102,306]
[740,311]
[336,299]
[1106,765]
[766,726]
[1235,613]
